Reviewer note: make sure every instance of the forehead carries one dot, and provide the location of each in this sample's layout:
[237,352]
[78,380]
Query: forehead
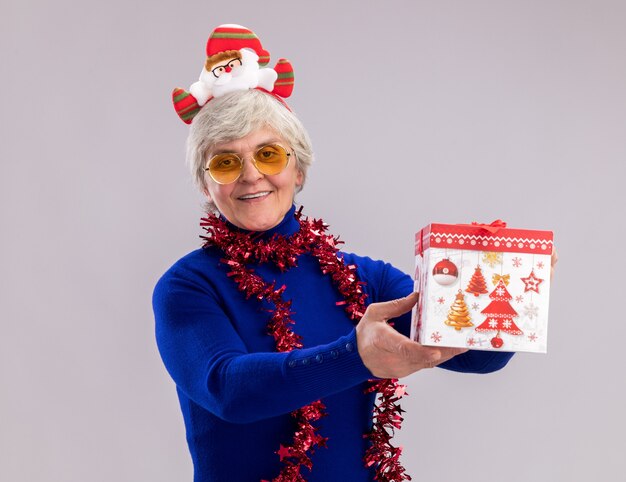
[252,141]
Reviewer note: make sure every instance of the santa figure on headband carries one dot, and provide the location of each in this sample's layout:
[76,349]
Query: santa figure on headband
[235,61]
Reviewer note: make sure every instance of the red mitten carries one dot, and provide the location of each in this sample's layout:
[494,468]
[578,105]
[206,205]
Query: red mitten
[185,105]
[284,84]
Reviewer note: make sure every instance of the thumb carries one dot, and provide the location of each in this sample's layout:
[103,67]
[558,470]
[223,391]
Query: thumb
[391,309]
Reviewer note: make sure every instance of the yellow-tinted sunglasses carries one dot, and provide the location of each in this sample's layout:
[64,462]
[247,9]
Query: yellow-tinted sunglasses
[226,167]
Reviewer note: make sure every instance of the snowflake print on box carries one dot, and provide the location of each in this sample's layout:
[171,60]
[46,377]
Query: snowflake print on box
[499,293]
[492,259]
[531,311]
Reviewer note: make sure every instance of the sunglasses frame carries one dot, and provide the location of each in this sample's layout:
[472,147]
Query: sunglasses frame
[253,160]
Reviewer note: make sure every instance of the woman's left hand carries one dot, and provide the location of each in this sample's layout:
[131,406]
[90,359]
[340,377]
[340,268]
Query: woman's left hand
[553,261]
[389,354]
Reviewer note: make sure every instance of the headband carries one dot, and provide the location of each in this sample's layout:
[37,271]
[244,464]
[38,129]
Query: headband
[235,61]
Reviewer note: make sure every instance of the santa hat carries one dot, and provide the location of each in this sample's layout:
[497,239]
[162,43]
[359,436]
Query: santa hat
[235,37]
[230,37]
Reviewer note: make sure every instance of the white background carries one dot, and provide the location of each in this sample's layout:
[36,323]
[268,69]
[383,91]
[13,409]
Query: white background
[420,111]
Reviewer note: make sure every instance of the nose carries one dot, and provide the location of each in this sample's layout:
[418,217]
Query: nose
[228,68]
[249,173]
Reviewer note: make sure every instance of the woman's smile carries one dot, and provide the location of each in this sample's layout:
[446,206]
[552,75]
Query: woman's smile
[255,197]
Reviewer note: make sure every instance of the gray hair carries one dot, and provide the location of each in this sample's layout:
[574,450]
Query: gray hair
[236,115]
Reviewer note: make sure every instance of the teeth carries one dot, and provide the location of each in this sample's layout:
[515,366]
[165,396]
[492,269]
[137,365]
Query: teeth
[252,196]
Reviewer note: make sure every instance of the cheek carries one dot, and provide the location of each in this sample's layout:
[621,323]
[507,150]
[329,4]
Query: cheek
[217,192]
[288,185]
[207,194]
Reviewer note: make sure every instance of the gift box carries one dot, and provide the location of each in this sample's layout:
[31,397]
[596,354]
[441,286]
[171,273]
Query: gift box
[483,287]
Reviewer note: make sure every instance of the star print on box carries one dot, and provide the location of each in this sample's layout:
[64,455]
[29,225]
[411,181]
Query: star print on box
[478,289]
[531,282]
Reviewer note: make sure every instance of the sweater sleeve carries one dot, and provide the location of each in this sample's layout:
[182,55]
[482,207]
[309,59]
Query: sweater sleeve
[209,361]
[386,282]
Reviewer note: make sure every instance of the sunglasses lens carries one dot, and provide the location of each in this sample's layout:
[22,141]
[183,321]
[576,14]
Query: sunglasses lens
[225,168]
[271,159]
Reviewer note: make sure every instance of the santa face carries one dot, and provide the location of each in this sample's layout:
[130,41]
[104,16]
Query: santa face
[239,70]
[223,67]
[222,59]
[255,201]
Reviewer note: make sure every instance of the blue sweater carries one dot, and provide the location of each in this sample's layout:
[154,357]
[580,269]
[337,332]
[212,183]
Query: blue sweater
[236,392]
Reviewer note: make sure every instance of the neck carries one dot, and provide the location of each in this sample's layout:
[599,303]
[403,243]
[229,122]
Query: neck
[286,227]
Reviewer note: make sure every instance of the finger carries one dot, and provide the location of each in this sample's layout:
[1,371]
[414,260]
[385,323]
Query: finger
[553,260]
[555,257]
[391,309]
[447,354]
[437,356]
[421,355]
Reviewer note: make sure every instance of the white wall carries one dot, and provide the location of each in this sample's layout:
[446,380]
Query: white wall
[420,111]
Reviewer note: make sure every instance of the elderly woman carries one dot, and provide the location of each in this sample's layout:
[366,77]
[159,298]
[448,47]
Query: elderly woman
[268,328]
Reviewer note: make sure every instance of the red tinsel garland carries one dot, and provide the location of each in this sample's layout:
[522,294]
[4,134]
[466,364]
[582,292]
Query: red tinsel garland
[241,249]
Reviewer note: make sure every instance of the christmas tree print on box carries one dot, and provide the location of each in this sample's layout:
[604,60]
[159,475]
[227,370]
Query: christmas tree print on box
[500,315]
[482,287]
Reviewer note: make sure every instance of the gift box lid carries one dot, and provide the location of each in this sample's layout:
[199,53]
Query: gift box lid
[483,237]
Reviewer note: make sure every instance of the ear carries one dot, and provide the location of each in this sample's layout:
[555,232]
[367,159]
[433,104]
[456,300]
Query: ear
[299,178]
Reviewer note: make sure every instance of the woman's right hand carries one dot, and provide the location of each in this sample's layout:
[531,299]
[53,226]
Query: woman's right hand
[389,354]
